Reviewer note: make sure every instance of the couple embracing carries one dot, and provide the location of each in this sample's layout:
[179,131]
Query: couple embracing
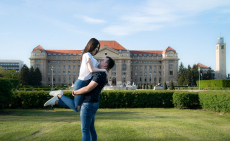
[91,80]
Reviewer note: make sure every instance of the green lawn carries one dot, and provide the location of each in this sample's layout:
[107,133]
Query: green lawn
[116,125]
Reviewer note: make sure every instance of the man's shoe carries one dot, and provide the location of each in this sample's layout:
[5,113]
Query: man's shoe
[51,102]
[55,93]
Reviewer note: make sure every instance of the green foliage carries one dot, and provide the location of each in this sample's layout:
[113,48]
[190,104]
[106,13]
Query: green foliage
[171,86]
[24,75]
[32,77]
[14,82]
[185,99]
[165,86]
[218,101]
[188,76]
[38,77]
[214,83]
[5,92]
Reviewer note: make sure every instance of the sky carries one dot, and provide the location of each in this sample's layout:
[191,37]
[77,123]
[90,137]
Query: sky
[191,27]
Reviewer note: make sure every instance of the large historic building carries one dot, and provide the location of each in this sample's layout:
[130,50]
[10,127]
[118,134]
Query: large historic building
[138,66]
[12,64]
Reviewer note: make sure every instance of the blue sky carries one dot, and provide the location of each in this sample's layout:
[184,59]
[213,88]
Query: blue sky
[191,27]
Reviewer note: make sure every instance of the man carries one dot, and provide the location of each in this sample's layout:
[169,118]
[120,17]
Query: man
[90,100]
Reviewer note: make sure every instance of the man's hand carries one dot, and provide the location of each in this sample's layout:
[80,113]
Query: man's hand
[73,93]
[79,108]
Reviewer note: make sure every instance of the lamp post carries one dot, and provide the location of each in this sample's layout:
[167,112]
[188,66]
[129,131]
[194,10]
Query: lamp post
[52,78]
[199,76]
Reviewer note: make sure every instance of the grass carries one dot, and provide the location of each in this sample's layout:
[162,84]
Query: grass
[115,125]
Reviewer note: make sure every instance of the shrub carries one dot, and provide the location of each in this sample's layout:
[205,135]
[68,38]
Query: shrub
[214,83]
[5,92]
[218,101]
[185,99]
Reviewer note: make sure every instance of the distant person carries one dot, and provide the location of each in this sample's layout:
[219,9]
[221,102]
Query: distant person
[90,104]
[89,65]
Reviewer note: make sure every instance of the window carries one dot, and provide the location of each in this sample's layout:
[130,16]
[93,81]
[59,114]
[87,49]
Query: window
[37,60]
[64,61]
[49,79]
[145,80]
[49,67]
[59,67]
[140,72]
[69,73]
[63,72]
[222,47]
[140,55]
[79,61]
[135,55]
[74,72]
[145,61]
[135,73]
[155,67]
[155,62]
[69,54]
[154,55]
[170,72]
[159,67]
[145,73]
[69,67]
[140,67]
[49,61]
[59,61]
[69,61]
[48,72]
[37,65]
[74,67]
[105,53]
[159,73]
[79,67]
[150,67]
[145,67]
[49,54]
[150,62]
[64,54]
[145,55]
[74,54]
[155,79]
[159,55]
[54,54]
[170,66]
[59,79]
[135,61]
[114,67]
[155,73]
[124,79]
[140,61]
[124,67]
[113,73]
[131,55]
[54,67]
[131,62]
[53,72]
[131,67]
[59,73]
[140,79]
[63,66]
[74,61]
[149,55]
[54,61]
[170,61]
[59,54]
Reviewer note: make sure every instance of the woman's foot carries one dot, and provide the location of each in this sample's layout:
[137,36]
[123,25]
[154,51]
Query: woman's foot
[51,102]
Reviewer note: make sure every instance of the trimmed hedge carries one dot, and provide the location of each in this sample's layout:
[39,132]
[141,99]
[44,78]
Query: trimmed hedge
[108,99]
[185,99]
[217,101]
[5,92]
[214,83]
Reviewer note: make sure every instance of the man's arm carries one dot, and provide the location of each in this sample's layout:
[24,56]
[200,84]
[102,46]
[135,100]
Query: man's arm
[87,88]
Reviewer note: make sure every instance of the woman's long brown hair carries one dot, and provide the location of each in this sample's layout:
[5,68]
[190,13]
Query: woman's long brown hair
[91,45]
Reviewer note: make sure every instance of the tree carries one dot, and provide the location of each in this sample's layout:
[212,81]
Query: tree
[181,74]
[171,85]
[32,76]
[195,74]
[165,86]
[23,75]
[38,77]
[188,76]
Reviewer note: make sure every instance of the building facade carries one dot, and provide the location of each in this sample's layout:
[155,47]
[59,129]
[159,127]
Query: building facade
[138,66]
[12,64]
[221,59]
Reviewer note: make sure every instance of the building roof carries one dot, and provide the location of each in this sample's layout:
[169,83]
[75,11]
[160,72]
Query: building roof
[112,44]
[64,51]
[39,48]
[202,66]
[169,49]
[146,52]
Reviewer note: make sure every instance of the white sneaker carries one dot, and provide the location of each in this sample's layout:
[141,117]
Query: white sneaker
[51,102]
[55,93]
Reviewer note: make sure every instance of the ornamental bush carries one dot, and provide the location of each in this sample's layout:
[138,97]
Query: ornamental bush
[184,99]
[5,92]
[217,101]
[214,83]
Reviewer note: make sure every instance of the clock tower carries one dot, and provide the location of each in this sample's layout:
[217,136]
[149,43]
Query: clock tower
[221,59]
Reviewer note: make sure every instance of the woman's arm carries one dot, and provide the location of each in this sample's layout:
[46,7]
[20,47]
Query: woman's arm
[92,69]
[86,89]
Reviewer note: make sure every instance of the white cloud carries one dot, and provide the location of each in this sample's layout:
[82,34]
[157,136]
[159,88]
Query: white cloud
[154,14]
[91,20]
